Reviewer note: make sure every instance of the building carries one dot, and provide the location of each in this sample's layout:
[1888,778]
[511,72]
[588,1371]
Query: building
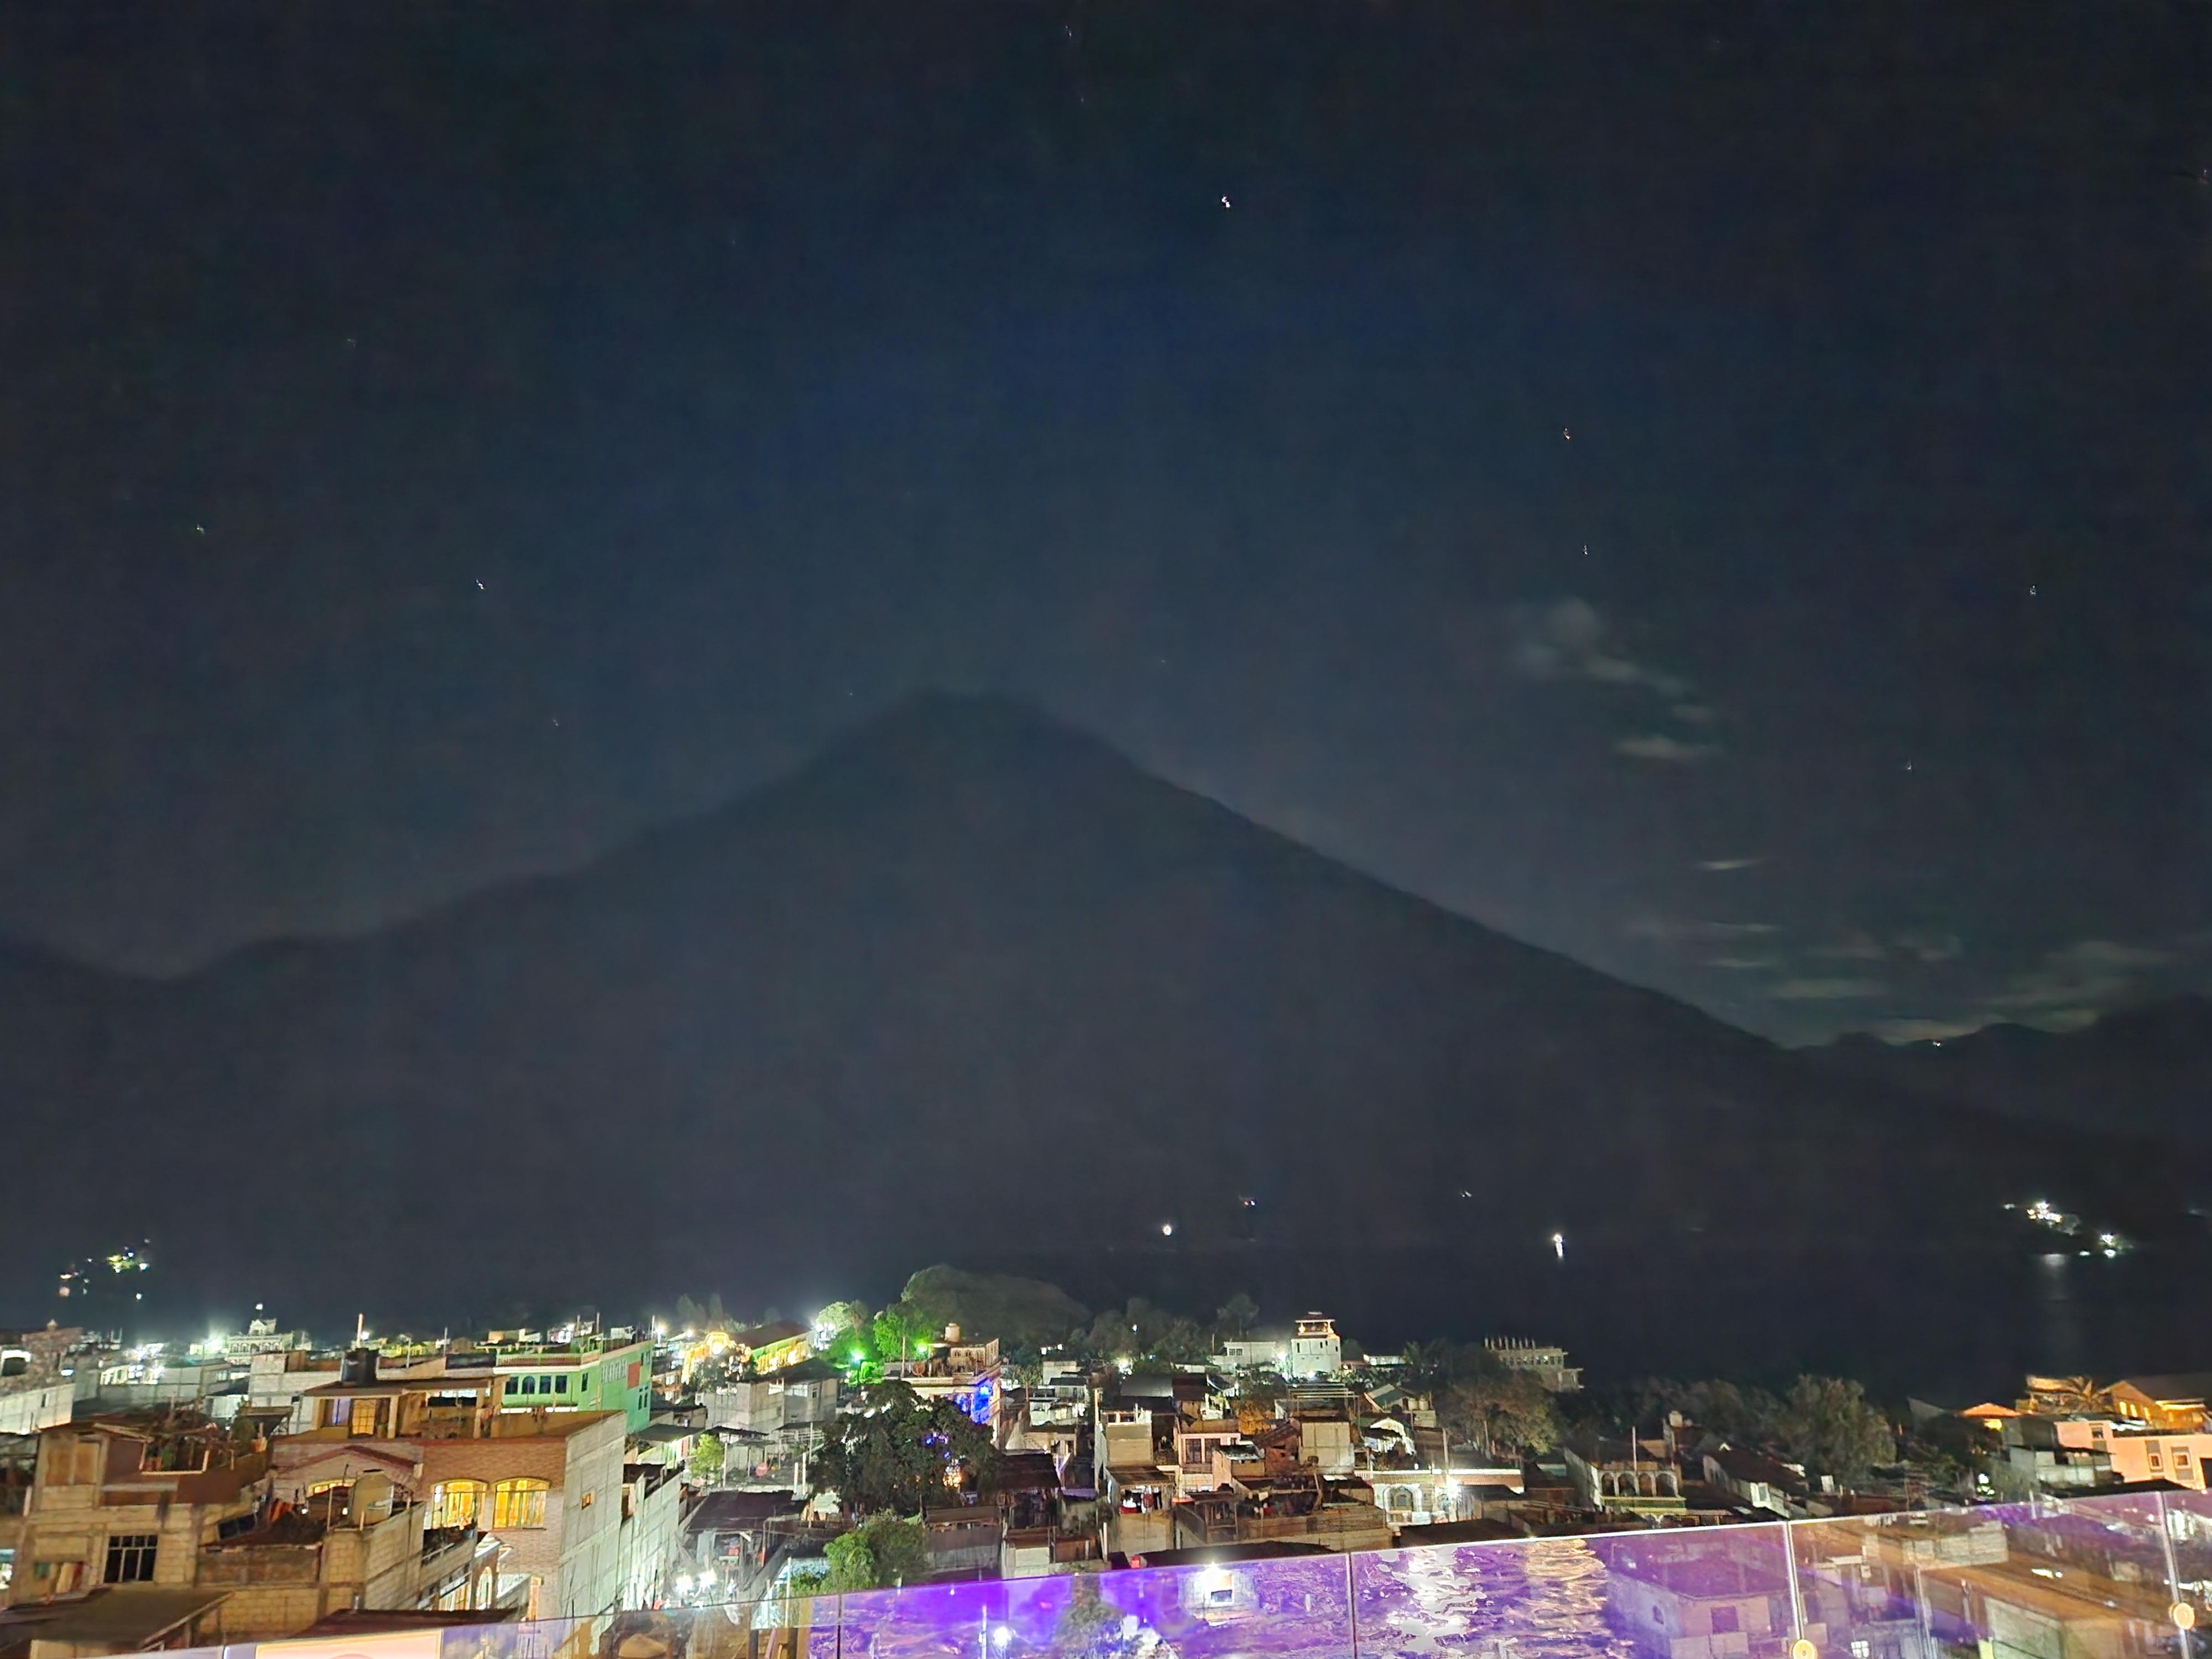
[1254,1353]
[652,1532]
[1700,1604]
[1754,1478]
[550,1489]
[771,1346]
[1546,1363]
[576,1378]
[38,1386]
[1621,1479]
[547,1483]
[2152,1456]
[1316,1349]
[276,1378]
[117,1501]
[356,1548]
[2166,1403]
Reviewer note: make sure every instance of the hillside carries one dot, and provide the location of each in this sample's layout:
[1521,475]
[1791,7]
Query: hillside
[969,983]
[2144,1070]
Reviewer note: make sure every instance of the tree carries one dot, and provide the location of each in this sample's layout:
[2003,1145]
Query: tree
[839,1323]
[897,1334]
[1494,1405]
[894,1453]
[1022,1312]
[883,1551]
[1237,1316]
[1090,1626]
[1830,1427]
[706,1458]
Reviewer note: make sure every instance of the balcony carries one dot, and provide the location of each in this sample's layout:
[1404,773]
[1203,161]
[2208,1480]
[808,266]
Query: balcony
[2120,1577]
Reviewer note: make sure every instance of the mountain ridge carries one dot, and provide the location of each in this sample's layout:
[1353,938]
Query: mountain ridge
[969,981]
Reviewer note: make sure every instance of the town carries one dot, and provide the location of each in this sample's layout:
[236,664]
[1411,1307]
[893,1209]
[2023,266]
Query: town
[261,1485]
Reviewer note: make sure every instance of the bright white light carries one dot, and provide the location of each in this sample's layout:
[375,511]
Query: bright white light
[1001,1637]
[1560,1245]
[1167,1229]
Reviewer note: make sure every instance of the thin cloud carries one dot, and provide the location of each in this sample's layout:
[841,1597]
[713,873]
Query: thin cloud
[1651,924]
[1931,946]
[1854,946]
[1925,1030]
[1673,752]
[1696,714]
[1749,965]
[1570,639]
[1718,866]
[2073,984]
[1826,990]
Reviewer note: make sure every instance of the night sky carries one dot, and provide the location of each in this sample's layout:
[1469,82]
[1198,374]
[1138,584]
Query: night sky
[1721,490]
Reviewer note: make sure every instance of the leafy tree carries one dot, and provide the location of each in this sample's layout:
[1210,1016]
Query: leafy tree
[893,1453]
[1090,1627]
[1237,1317]
[896,1334]
[881,1552]
[706,1458]
[1022,1312]
[1829,1425]
[839,1322]
[1492,1404]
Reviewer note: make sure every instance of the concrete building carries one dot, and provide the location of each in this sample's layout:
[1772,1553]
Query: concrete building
[582,1378]
[276,1378]
[1544,1362]
[2151,1457]
[651,1535]
[548,1488]
[547,1484]
[1316,1349]
[1698,1604]
[38,1387]
[121,1503]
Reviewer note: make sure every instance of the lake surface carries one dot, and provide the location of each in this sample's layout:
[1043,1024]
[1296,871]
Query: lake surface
[1951,1327]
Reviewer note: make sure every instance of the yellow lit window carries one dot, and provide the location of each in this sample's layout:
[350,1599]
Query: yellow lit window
[457,1502]
[518,1503]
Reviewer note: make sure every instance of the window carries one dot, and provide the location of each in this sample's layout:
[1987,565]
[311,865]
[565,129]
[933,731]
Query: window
[1862,1650]
[457,1502]
[560,1385]
[544,1385]
[130,1558]
[528,1385]
[518,1503]
[321,1486]
[77,1463]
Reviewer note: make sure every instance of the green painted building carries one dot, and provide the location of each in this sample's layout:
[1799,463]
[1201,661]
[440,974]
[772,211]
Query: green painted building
[615,1378]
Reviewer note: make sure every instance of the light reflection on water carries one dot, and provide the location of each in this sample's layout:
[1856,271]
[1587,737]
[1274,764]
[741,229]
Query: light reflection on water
[1544,1599]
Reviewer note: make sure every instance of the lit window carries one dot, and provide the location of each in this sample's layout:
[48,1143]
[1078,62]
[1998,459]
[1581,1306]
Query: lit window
[518,1503]
[130,1558]
[457,1502]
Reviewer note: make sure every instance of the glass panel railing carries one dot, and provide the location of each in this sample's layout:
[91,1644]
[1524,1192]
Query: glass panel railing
[2122,1577]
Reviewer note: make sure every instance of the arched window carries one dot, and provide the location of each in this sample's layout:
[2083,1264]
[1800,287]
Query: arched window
[518,1503]
[457,1502]
[529,1386]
